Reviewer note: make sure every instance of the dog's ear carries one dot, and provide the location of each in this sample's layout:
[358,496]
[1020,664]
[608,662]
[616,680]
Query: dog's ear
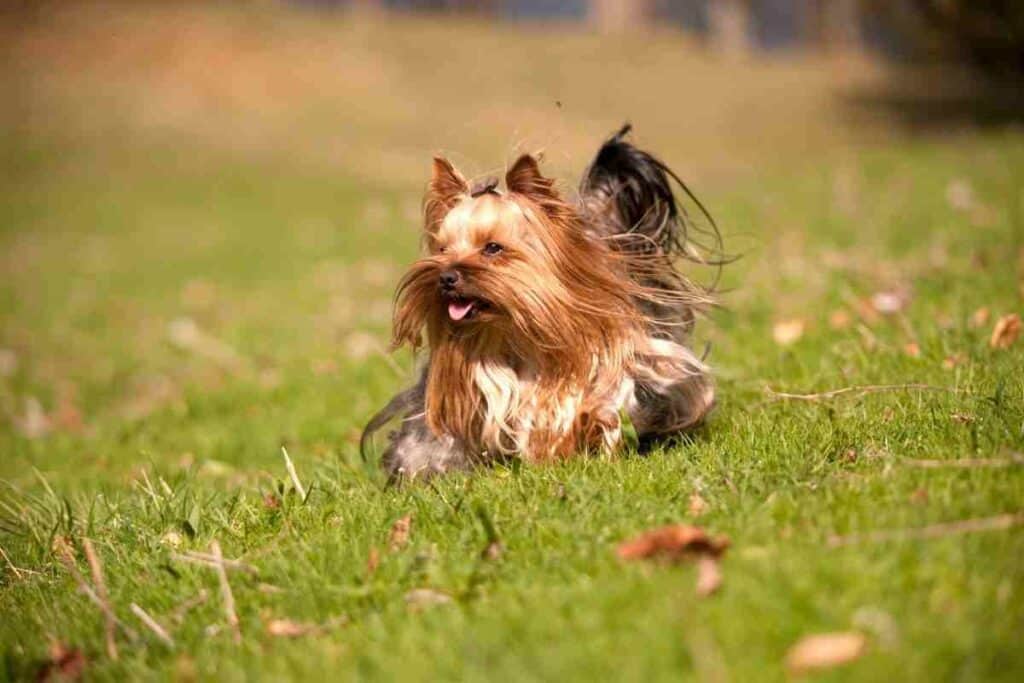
[525,178]
[446,188]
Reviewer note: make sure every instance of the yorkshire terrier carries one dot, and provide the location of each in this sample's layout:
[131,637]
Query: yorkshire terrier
[548,321]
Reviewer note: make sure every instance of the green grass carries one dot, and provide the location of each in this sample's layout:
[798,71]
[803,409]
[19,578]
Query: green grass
[292,268]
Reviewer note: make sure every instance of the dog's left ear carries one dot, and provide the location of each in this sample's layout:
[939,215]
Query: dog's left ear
[525,178]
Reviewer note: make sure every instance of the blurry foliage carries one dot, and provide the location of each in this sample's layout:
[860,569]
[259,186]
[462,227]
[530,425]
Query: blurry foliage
[990,33]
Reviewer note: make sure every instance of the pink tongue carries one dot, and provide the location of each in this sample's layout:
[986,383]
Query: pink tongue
[458,310]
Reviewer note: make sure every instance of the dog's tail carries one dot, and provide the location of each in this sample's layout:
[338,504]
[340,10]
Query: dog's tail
[627,193]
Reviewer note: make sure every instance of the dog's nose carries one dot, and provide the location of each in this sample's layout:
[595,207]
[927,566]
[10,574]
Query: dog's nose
[450,278]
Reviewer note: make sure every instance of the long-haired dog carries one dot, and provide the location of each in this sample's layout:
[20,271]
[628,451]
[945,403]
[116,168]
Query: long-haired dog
[546,320]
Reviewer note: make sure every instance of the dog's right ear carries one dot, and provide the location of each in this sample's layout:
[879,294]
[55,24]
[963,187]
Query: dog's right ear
[446,188]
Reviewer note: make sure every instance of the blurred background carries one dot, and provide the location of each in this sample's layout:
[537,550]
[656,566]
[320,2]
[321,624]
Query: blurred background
[214,200]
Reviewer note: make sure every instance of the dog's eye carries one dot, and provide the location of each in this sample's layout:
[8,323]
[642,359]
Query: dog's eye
[442,250]
[493,249]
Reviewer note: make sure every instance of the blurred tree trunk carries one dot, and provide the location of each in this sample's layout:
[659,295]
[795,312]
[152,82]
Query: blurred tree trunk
[729,27]
[620,15]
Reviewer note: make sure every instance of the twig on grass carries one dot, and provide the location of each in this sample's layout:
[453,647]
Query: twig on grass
[18,571]
[151,623]
[209,560]
[63,553]
[225,591]
[181,610]
[858,390]
[964,526]
[96,569]
[965,463]
[293,474]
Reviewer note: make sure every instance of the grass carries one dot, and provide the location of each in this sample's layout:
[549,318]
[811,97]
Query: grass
[180,310]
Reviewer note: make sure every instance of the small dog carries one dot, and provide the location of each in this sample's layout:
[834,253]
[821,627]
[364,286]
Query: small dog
[547,319]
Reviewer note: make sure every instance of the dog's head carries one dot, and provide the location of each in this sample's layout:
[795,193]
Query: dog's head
[515,263]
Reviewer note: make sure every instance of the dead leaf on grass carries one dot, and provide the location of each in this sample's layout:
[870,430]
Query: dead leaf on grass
[912,349]
[64,663]
[890,302]
[673,542]
[1005,332]
[399,537]
[954,360]
[418,598]
[286,628]
[372,562]
[840,319]
[825,650]
[786,332]
[679,542]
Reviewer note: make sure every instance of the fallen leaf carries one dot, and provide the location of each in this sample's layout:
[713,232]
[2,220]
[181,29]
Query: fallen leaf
[673,542]
[372,562]
[698,506]
[825,650]
[840,319]
[426,597]
[400,533]
[64,663]
[956,359]
[709,576]
[786,332]
[286,628]
[980,317]
[493,551]
[271,502]
[1005,332]
[890,302]
[912,349]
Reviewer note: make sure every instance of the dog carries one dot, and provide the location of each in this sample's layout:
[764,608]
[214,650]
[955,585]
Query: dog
[545,320]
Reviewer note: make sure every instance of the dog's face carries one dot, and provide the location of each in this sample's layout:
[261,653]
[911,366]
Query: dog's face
[495,261]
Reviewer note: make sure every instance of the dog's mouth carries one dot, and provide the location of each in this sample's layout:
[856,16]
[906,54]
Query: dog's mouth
[461,308]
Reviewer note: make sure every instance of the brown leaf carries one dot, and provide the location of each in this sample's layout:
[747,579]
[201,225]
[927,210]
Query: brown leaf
[271,502]
[286,628]
[825,650]
[419,598]
[673,542]
[493,551]
[63,663]
[954,360]
[912,349]
[400,533]
[372,562]
[1005,332]
[839,319]
[786,332]
[698,506]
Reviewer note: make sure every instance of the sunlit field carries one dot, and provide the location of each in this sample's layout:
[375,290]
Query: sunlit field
[204,214]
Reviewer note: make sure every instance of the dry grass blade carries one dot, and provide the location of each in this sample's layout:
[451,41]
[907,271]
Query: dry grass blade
[964,526]
[293,474]
[226,594]
[185,607]
[96,569]
[152,624]
[965,463]
[66,558]
[857,390]
[208,560]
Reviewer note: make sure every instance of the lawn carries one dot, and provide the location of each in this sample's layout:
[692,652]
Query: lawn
[176,306]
